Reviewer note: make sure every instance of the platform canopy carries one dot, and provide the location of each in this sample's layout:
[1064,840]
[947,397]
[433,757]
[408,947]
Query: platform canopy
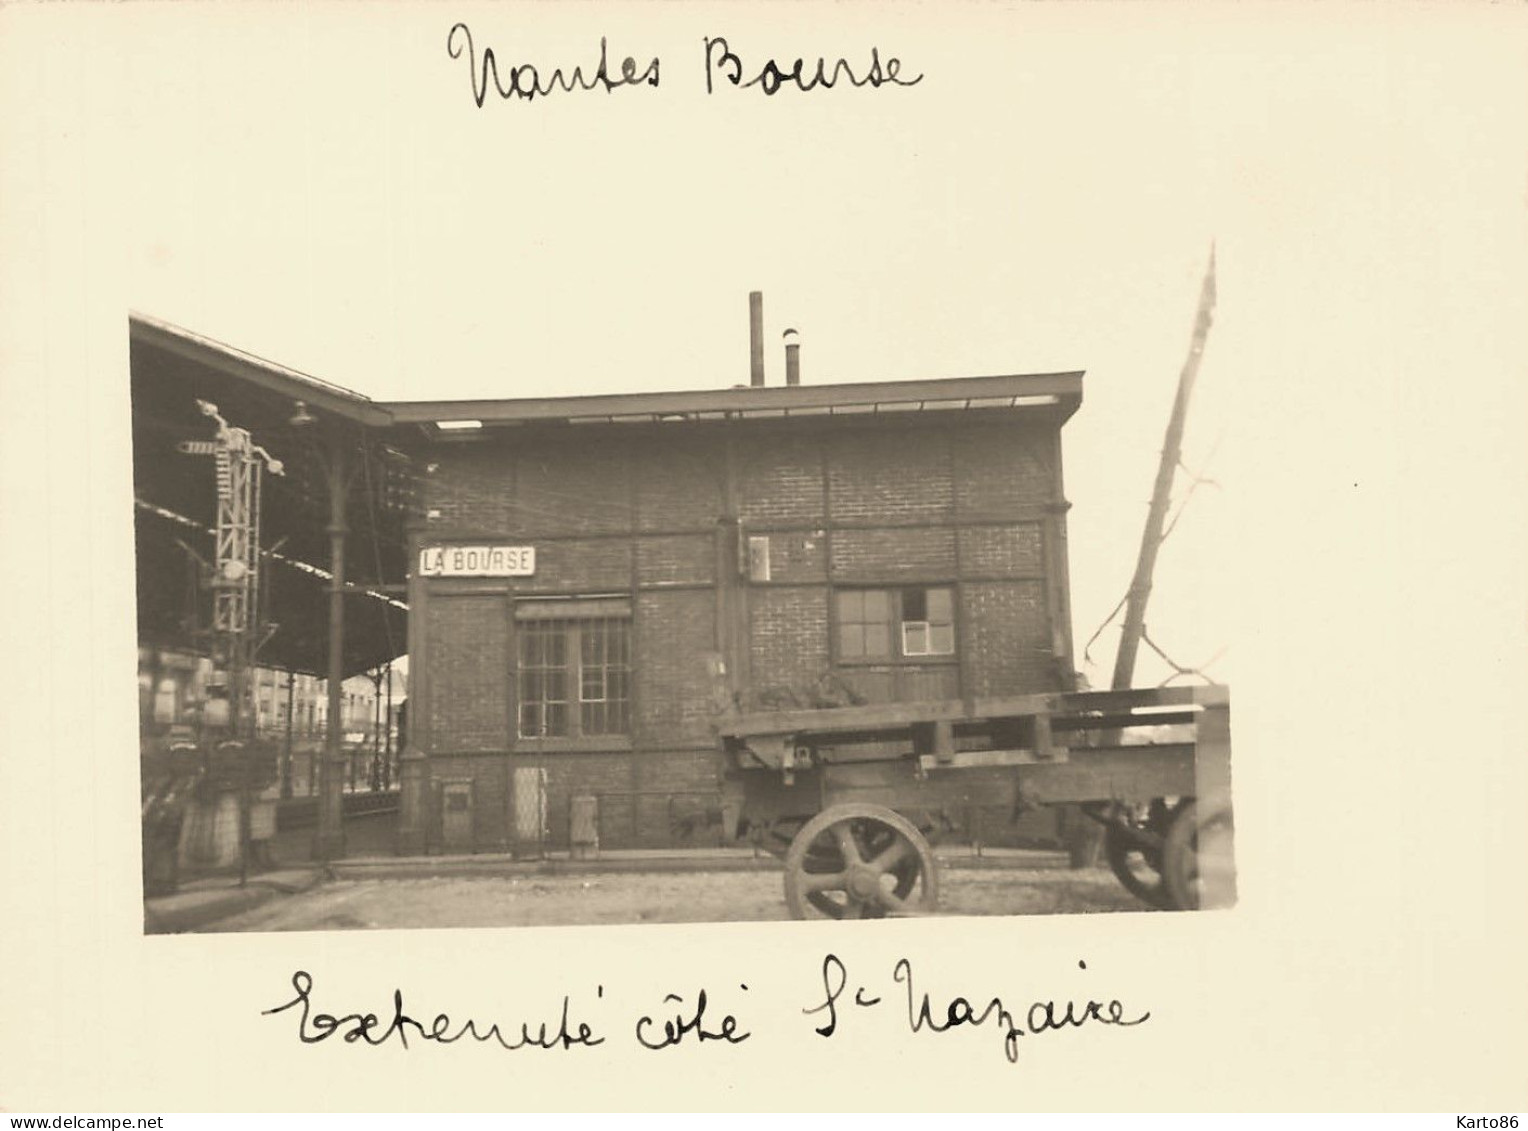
[302,422]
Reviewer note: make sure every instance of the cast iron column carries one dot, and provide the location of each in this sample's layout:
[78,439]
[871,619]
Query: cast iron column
[330,843]
[286,754]
[387,757]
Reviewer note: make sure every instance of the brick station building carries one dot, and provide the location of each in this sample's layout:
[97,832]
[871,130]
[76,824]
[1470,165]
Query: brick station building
[594,580]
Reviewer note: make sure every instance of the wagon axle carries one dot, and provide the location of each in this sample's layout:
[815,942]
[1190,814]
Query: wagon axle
[858,861]
[796,772]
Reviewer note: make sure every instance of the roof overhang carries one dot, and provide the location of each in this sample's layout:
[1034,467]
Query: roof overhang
[289,385]
[1058,392]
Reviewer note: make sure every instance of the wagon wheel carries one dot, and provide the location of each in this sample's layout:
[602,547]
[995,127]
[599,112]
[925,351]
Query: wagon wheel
[1198,869]
[1134,851]
[859,861]
[823,857]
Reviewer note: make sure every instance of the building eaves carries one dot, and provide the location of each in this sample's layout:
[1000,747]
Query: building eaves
[749,402]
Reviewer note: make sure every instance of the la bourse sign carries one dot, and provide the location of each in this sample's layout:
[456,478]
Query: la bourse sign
[477,561]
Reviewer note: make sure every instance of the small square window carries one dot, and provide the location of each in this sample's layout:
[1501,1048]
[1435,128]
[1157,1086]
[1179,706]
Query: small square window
[887,625]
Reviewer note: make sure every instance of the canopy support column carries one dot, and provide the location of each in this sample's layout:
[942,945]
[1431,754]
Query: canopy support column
[330,842]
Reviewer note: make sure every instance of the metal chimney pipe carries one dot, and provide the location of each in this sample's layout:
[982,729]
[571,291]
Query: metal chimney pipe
[756,338]
[792,358]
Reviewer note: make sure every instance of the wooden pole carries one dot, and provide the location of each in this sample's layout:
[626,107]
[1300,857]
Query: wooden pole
[1083,844]
[1161,496]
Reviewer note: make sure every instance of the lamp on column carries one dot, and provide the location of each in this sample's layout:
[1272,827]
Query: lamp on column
[330,840]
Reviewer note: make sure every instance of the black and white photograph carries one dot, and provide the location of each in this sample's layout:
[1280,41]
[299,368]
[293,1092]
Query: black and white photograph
[653,642]
[525,524]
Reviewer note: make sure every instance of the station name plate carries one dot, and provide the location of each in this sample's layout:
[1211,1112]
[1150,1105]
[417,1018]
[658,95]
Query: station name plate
[477,561]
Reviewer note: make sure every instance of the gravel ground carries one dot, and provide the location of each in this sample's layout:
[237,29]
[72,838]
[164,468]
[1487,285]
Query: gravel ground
[671,897]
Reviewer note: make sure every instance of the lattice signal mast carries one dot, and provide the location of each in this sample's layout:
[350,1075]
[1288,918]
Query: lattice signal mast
[236,567]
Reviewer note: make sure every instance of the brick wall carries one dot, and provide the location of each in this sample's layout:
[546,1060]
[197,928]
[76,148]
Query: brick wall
[995,551]
[491,818]
[676,559]
[780,480]
[570,775]
[910,553]
[890,476]
[648,799]
[467,651]
[589,493]
[1007,638]
[788,636]
[679,486]
[1001,470]
[471,488]
[839,506]
[797,555]
[595,565]
[674,633]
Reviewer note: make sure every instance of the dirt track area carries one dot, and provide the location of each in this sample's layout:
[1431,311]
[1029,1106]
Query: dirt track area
[673,897]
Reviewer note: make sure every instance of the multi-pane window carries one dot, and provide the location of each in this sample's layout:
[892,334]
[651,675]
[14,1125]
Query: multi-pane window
[864,624]
[574,669]
[543,678]
[884,625]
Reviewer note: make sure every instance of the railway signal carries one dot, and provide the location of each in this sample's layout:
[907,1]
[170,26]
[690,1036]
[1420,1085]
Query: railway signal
[238,464]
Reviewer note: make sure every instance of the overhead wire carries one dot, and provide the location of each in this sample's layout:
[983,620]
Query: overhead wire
[1178,669]
[1197,479]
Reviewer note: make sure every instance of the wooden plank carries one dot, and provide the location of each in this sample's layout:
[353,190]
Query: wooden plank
[1213,695]
[847,753]
[1043,745]
[870,717]
[763,795]
[1125,773]
[1212,762]
[1129,774]
[1123,720]
[968,758]
[1070,710]
[1077,701]
[865,775]
[980,785]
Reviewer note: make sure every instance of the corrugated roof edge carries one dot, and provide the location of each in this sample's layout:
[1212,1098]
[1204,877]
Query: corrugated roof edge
[776,399]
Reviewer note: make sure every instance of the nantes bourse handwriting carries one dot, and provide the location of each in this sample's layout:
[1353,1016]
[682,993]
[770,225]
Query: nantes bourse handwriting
[723,67]
[678,1023]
